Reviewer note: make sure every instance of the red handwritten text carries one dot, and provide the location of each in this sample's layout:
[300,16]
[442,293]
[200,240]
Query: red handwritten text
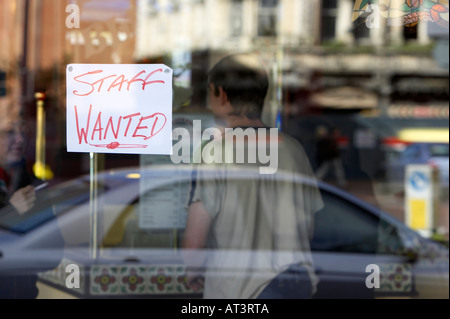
[136,126]
[92,79]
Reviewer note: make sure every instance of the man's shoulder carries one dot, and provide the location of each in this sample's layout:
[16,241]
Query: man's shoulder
[290,143]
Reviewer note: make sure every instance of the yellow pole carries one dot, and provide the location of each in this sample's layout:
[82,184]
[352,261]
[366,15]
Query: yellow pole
[39,168]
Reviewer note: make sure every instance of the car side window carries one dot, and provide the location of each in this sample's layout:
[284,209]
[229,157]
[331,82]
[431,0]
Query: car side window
[126,232]
[154,220]
[344,227]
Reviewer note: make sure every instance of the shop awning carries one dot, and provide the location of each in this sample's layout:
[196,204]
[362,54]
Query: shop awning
[426,135]
[346,98]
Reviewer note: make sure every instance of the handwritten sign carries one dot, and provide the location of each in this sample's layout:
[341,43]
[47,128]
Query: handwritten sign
[119,108]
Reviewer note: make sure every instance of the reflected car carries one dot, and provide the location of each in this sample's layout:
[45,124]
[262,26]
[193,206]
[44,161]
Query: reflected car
[121,239]
[433,154]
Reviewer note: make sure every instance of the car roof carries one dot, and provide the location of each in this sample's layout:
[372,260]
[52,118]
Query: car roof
[79,187]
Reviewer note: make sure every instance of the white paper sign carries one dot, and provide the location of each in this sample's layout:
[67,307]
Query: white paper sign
[119,108]
[163,198]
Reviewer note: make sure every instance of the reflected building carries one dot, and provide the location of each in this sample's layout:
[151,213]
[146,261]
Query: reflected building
[312,36]
[329,60]
[336,59]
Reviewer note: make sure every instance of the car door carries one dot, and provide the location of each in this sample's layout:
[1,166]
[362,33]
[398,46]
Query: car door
[140,239]
[349,244]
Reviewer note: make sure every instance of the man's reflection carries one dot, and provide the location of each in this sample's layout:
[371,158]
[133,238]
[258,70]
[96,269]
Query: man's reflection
[254,226]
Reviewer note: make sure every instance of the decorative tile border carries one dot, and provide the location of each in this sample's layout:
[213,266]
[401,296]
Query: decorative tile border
[110,280]
[161,279]
[104,280]
[396,278]
[181,280]
[132,280]
[138,280]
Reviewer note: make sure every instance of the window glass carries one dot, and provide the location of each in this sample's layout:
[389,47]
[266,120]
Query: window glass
[343,227]
[356,91]
[236,22]
[329,29]
[267,18]
[332,4]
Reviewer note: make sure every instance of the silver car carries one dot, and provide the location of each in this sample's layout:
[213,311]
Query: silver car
[123,241]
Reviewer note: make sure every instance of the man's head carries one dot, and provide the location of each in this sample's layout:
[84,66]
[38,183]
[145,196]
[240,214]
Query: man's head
[244,82]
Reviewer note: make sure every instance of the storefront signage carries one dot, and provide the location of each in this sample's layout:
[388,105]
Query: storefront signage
[119,108]
[421,198]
